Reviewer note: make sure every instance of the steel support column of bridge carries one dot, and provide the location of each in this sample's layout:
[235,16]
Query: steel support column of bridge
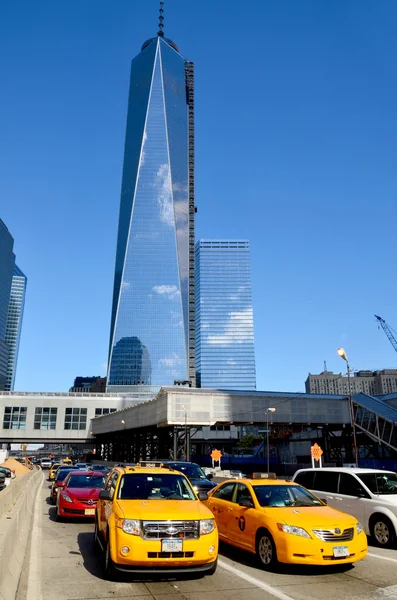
[148,443]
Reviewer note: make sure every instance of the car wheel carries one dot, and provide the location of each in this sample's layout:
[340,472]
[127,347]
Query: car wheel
[266,550]
[97,543]
[108,566]
[382,531]
[58,517]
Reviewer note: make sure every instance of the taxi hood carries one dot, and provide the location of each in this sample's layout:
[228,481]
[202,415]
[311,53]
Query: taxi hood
[312,517]
[164,510]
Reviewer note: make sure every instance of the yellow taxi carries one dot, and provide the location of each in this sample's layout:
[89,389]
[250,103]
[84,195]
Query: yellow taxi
[52,471]
[281,521]
[149,519]
[67,461]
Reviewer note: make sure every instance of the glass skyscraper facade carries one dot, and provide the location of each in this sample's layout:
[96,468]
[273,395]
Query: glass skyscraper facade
[152,333]
[7,262]
[225,353]
[14,324]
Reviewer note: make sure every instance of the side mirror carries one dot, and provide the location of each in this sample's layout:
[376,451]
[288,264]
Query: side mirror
[104,495]
[210,476]
[246,503]
[201,495]
[361,494]
[324,500]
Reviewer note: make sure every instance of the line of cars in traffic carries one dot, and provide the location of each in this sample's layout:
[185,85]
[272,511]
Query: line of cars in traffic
[167,517]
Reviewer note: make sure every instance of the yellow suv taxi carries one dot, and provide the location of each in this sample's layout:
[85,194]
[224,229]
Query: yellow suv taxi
[149,519]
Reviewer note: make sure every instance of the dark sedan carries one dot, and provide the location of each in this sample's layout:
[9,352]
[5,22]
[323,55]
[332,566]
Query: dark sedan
[199,480]
[58,481]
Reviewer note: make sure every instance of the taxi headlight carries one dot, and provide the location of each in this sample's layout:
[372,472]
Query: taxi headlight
[359,528]
[293,530]
[207,526]
[131,526]
[66,497]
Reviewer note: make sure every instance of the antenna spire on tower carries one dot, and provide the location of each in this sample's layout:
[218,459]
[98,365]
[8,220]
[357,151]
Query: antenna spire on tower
[160,32]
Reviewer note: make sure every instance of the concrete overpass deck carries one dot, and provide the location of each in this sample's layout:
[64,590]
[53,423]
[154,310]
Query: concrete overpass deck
[205,407]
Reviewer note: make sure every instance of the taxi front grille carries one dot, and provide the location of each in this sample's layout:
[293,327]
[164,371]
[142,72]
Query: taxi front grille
[170,530]
[331,558]
[170,554]
[329,535]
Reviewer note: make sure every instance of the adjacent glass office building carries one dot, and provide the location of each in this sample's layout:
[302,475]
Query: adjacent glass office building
[7,262]
[225,354]
[152,324]
[14,324]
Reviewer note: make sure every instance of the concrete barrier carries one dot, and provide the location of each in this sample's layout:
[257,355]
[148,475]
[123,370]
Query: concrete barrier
[16,515]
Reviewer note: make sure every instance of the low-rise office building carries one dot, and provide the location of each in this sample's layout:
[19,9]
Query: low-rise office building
[373,383]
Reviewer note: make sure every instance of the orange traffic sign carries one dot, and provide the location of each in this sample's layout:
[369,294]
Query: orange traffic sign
[316,452]
[216,455]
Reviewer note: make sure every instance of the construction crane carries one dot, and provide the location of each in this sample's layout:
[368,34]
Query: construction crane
[382,323]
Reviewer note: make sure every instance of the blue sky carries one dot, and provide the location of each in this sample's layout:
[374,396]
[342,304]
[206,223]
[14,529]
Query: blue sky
[296,130]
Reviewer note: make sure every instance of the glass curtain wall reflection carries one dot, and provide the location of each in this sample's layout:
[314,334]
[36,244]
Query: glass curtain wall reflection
[7,262]
[14,324]
[149,338]
[225,354]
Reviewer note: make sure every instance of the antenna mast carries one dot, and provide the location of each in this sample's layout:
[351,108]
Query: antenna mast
[160,32]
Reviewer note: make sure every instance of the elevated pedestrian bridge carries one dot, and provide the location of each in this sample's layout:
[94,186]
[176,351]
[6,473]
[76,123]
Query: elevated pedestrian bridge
[377,417]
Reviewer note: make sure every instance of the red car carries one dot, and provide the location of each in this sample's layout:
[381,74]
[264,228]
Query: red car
[79,494]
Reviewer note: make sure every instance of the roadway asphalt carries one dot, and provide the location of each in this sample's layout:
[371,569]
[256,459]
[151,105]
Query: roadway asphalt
[61,564]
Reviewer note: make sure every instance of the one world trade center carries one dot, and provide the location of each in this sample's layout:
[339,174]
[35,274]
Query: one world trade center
[152,322]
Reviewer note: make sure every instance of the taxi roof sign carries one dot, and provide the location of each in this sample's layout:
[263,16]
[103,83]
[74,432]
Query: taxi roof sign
[150,464]
[264,476]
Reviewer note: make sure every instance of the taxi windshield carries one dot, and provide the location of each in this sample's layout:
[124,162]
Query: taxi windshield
[282,496]
[86,481]
[380,483]
[191,471]
[156,486]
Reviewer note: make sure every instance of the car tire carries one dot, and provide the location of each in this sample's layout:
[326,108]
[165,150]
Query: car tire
[58,517]
[213,568]
[266,552]
[97,543]
[382,531]
[108,566]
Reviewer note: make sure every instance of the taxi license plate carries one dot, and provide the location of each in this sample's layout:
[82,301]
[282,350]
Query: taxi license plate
[341,551]
[89,511]
[171,545]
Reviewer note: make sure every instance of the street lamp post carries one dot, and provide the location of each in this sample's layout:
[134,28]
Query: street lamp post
[272,410]
[186,444]
[343,355]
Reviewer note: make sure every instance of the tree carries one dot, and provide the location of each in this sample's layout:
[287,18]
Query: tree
[248,441]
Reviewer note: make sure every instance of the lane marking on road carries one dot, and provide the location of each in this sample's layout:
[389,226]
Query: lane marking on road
[257,582]
[382,557]
[34,577]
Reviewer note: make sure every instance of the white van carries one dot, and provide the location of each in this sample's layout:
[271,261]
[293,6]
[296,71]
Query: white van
[370,495]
